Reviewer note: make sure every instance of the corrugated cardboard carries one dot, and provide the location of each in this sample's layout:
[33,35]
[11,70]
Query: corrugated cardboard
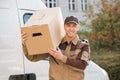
[39,39]
[45,30]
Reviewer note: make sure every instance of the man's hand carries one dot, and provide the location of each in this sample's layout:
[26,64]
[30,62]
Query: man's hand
[24,36]
[56,53]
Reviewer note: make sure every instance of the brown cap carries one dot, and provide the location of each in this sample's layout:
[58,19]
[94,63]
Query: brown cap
[71,19]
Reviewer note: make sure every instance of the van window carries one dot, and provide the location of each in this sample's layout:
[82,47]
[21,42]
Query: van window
[26,16]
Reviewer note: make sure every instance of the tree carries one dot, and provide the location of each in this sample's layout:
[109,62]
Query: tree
[106,25]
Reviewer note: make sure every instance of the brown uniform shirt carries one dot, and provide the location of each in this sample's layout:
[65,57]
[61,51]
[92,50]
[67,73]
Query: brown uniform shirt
[78,56]
[72,68]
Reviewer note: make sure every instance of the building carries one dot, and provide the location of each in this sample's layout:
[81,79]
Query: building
[76,8]
[71,7]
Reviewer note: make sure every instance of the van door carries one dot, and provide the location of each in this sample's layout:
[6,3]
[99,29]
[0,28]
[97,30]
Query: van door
[11,59]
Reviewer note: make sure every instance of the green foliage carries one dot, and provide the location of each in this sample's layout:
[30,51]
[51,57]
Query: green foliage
[106,27]
[109,60]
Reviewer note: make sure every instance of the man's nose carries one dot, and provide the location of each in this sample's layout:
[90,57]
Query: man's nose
[71,28]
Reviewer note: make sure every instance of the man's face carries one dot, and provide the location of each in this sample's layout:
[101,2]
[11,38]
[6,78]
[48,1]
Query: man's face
[71,29]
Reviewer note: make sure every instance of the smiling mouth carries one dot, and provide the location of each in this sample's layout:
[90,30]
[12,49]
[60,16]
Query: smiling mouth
[70,32]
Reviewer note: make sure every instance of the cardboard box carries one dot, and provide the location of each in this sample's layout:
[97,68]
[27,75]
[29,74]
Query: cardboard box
[45,30]
[39,39]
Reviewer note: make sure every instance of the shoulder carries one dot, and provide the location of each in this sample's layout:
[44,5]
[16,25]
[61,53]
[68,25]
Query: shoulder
[82,43]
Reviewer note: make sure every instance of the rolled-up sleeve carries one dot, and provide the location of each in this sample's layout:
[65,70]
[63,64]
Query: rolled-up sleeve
[82,60]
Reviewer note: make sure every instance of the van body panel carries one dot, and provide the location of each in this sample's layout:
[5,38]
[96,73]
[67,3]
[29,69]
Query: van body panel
[11,59]
[30,4]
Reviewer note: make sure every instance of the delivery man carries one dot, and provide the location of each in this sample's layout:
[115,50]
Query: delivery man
[71,57]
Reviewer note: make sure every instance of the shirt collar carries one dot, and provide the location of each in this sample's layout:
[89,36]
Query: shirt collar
[74,41]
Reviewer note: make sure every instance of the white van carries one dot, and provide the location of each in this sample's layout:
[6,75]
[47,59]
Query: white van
[13,63]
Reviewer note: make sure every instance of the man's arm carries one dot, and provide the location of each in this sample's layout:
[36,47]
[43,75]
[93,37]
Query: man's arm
[82,60]
[34,58]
